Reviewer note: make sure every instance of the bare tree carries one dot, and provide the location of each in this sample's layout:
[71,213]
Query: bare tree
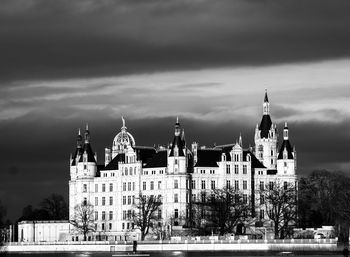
[84,219]
[55,206]
[145,212]
[280,203]
[223,209]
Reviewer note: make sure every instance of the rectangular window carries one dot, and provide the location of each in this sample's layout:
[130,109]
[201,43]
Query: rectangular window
[245,185]
[123,225]
[144,185]
[96,201]
[103,187]
[212,184]
[159,213]
[124,215]
[133,199]
[193,197]
[203,197]
[96,187]
[85,201]
[129,186]
[228,169]
[110,187]
[103,226]
[152,185]
[176,198]
[176,183]
[176,213]
[85,188]
[110,200]
[236,185]
[175,161]
[262,199]
[271,185]
[262,186]
[203,184]
[129,199]
[133,186]
[110,226]
[103,215]
[129,214]
[236,169]
[159,184]
[193,184]
[124,200]
[228,184]
[110,215]
[262,214]
[96,215]
[244,169]
[124,186]
[103,200]
[245,199]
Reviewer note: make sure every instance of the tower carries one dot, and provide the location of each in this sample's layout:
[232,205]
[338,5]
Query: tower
[122,143]
[177,153]
[266,138]
[286,163]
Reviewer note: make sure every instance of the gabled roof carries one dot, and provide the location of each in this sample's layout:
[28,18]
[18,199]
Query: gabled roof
[265,126]
[286,146]
[89,152]
[114,164]
[208,157]
[160,159]
[255,162]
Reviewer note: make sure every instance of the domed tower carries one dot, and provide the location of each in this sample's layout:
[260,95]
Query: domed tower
[266,138]
[123,141]
[286,163]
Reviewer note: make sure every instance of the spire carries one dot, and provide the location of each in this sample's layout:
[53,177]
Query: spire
[87,134]
[266,104]
[266,99]
[183,136]
[79,139]
[240,140]
[177,127]
[285,131]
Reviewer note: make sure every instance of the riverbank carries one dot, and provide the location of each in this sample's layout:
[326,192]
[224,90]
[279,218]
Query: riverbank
[294,245]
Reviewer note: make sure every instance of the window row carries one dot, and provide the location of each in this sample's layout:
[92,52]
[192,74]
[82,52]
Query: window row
[153,172]
[129,172]
[103,215]
[103,187]
[128,200]
[103,201]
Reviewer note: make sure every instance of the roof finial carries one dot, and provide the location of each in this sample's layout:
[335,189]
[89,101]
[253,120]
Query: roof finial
[79,133]
[123,120]
[177,119]
[285,124]
[240,139]
[266,99]
[87,127]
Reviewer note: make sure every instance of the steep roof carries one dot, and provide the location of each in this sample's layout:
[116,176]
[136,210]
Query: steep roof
[286,146]
[208,157]
[255,162]
[160,159]
[144,153]
[89,152]
[114,164]
[78,152]
[180,145]
[265,126]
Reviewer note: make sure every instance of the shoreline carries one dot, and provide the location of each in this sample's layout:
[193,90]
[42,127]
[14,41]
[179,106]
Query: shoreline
[168,247]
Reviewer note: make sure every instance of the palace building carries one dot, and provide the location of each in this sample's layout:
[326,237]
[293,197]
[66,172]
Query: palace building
[179,173]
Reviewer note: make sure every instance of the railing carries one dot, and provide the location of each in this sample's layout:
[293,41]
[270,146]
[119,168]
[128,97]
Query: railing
[239,241]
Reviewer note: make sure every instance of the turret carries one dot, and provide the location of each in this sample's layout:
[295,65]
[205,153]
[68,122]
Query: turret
[177,152]
[266,138]
[286,163]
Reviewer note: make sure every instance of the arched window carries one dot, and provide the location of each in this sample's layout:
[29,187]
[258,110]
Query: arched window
[130,171]
[126,171]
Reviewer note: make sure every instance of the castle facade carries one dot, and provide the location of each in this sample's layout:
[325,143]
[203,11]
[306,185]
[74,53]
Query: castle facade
[179,173]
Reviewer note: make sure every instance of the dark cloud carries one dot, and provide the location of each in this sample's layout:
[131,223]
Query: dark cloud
[50,39]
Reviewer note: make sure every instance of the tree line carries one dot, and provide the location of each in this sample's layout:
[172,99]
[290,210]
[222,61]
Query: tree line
[320,198]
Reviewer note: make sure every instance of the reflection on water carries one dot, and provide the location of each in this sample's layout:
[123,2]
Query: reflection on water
[171,254]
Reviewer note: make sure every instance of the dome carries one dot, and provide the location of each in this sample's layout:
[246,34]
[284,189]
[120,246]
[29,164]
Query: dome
[123,140]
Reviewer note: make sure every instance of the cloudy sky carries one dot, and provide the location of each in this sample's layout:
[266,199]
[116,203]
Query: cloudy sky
[65,63]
